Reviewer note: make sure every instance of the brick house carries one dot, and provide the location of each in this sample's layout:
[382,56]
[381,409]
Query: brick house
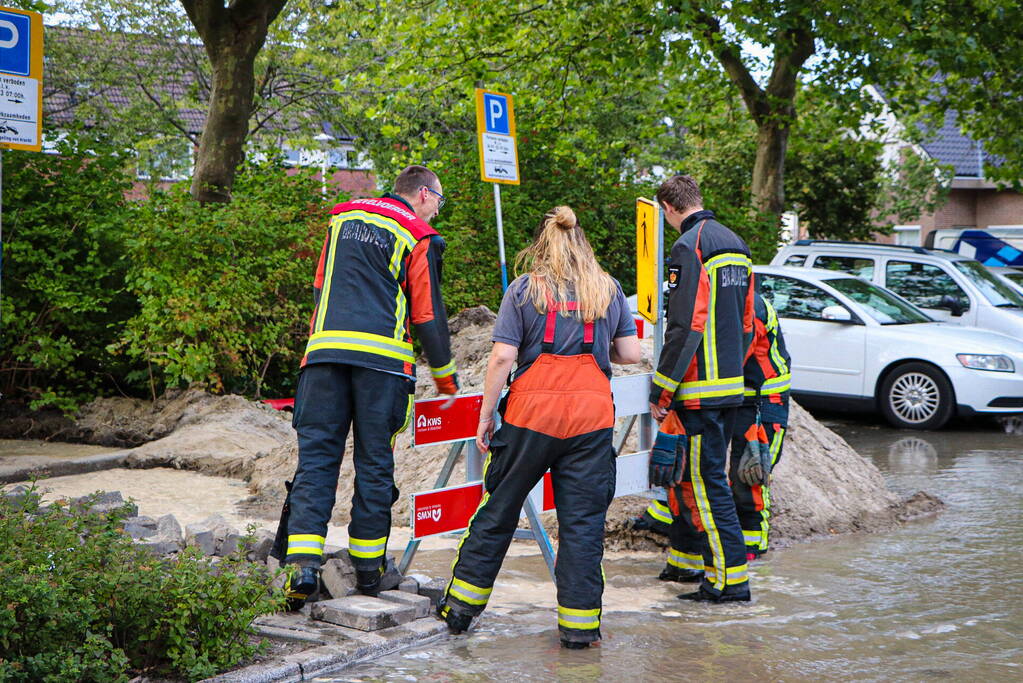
[170,157]
[973,201]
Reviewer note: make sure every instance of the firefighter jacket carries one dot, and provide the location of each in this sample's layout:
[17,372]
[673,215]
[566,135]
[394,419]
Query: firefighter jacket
[380,268]
[768,368]
[709,320]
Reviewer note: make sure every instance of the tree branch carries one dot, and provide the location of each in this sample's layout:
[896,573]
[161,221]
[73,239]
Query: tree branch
[730,57]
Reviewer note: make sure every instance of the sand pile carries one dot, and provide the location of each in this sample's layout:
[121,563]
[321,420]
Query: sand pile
[822,485]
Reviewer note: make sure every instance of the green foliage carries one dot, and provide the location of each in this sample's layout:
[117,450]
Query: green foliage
[80,601]
[224,290]
[65,219]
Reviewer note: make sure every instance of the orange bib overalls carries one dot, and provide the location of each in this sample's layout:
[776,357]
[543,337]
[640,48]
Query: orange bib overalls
[558,415]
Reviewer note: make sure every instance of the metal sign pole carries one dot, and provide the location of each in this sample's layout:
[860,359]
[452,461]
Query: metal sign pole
[500,237]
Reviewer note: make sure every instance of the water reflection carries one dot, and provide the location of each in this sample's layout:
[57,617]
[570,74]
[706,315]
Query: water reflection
[933,599]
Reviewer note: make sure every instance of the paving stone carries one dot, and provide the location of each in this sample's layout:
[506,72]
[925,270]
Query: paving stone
[419,578]
[169,528]
[260,548]
[103,502]
[338,578]
[362,612]
[229,543]
[202,537]
[409,585]
[392,578]
[140,527]
[278,671]
[433,589]
[160,546]
[420,603]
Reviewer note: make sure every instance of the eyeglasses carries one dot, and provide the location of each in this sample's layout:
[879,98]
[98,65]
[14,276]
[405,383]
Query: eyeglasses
[440,201]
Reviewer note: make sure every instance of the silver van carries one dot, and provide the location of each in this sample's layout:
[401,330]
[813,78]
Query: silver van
[949,286]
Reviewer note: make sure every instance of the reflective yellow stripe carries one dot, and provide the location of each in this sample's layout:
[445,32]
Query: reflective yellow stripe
[729,260]
[775,385]
[665,382]
[659,511]
[444,370]
[710,331]
[752,537]
[583,619]
[468,593]
[367,548]
[401,234]
[706,516]
[361,341]
[710,388]
[776,444]
[468,528]
[685,560]
[735,575]
[408,418]
[305,544]
[328,272]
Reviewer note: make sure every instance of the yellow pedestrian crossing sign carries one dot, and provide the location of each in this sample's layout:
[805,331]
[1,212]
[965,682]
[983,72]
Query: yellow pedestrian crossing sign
[647,250]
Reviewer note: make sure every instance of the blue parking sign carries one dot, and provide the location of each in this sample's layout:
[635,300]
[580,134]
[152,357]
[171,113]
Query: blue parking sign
[15,43]
[495,113]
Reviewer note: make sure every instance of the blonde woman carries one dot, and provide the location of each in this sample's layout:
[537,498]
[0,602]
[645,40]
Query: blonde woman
[564,322]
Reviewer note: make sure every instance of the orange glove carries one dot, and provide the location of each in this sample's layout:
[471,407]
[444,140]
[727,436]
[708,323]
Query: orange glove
[447,385]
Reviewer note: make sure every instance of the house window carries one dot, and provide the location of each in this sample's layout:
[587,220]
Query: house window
[908,235]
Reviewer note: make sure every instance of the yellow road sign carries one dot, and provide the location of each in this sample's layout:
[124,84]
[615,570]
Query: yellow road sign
[21,79]
[647,248]
[495,132]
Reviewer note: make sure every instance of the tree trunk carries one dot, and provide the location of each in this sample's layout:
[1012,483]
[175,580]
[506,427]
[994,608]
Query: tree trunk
[768,191]
[222,146]
[233,36]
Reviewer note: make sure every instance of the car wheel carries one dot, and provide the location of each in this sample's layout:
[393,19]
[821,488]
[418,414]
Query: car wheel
[916,396]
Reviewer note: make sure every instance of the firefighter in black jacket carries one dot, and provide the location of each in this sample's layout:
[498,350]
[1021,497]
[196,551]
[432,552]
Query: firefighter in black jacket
[379,270]
[700,376]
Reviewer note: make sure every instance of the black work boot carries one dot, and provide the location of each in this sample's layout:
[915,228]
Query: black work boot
[703,595]
[458,622]
[303,583]
[680,575]
[367,581]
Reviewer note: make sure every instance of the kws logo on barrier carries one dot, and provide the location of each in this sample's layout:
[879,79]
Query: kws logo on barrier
[436,424]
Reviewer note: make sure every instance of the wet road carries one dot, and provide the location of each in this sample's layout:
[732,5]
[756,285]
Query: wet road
[940,598]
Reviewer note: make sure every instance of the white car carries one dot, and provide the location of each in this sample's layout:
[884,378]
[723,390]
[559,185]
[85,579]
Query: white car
[947,285]
[856,345]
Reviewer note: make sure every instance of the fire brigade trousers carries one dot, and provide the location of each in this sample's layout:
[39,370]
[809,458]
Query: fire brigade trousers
[331,398]
[706,535]
[583,476]
[753,503]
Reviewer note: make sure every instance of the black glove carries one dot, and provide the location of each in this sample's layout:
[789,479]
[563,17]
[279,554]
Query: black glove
[667,460]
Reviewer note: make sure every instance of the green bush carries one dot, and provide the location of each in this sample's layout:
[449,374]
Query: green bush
[80,601]
[65,218]
[224,290]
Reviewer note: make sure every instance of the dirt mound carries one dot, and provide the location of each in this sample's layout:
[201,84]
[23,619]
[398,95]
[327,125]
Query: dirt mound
[822,485]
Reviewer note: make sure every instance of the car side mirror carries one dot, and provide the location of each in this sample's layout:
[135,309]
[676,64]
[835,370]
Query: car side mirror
[953,304]
[836,313]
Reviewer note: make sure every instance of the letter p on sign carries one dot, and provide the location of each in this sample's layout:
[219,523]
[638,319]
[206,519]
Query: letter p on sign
[496,108]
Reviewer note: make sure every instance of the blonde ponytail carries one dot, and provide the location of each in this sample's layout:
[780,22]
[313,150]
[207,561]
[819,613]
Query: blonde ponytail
[560,261]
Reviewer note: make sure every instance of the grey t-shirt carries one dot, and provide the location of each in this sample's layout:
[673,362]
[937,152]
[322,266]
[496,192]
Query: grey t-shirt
[520,325]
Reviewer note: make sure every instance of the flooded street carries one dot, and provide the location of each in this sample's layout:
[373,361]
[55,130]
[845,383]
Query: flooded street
[936,599]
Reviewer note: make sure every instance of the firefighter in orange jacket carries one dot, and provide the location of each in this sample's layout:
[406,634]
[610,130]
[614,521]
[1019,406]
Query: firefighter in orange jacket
[700,376]
[379,270]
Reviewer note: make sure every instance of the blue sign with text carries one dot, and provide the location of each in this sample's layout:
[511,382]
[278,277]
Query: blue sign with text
[15,43]
[495,112]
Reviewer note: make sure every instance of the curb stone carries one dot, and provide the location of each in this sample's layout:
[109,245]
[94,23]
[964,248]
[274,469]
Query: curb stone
[355,647]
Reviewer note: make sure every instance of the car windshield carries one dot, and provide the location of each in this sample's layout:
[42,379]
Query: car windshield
[993,289]
[882,305]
